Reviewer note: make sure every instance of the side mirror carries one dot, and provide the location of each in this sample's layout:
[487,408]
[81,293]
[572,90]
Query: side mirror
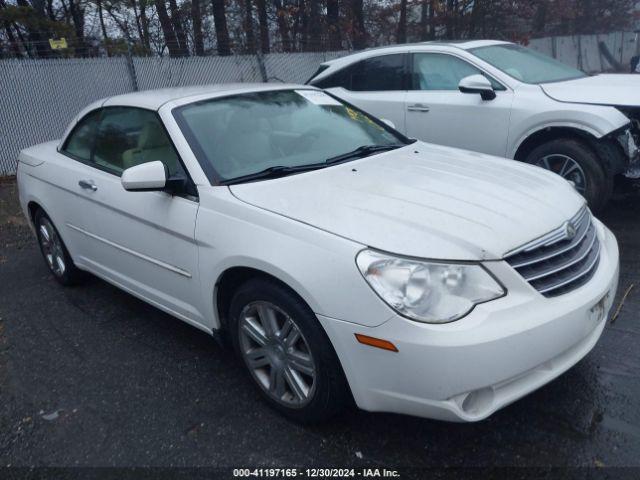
[477,84]
[145,177]
[388,123]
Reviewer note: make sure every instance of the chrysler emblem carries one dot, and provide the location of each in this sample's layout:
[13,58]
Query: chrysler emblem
[569,231]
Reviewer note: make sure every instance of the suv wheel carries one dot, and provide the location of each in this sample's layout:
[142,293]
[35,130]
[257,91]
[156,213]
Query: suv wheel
[578,164]
[286,352]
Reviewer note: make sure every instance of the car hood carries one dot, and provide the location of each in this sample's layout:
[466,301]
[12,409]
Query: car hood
[425,201]
[606,89]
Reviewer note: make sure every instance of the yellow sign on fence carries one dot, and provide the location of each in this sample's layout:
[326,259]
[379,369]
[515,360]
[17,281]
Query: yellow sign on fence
[59,44]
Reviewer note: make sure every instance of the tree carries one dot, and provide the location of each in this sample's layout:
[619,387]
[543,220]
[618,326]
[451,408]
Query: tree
[103,27]
[333,25]
[476,23]
[301,25]
[182,27]
[283,25]
[540,17]
[167,29]
[356,24]
[8,28]
[222,31]
[450,19]
[176,21]
[248,27]
[77,16]
[196,20]
[314,26]
[402,23]
[264,25]
[144,21]
[36,26]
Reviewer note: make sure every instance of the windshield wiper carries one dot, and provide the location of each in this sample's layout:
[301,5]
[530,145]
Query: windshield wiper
[274,172]
[283,170]
[361,152]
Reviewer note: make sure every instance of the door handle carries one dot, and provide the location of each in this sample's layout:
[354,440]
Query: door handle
[418,107]
[88,185]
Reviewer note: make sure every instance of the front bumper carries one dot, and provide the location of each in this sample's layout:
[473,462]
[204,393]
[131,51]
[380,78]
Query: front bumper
[627,140]
[468,369]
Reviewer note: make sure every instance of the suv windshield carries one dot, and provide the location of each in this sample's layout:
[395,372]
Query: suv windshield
[264,134]
[526,65]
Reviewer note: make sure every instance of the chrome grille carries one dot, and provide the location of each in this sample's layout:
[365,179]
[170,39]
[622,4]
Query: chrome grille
[561,260]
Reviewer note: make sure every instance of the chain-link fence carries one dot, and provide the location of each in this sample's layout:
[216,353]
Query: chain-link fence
[39,97]
[591,53]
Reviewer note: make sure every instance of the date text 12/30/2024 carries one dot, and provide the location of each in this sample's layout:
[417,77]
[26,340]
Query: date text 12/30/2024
[315,473]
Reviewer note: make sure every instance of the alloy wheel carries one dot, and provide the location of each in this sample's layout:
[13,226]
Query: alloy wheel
[567,168]
[277,354]
[51,247]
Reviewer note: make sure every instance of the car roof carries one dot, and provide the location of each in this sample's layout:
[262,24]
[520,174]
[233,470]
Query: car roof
[466,44]
[154,99]
[423,46]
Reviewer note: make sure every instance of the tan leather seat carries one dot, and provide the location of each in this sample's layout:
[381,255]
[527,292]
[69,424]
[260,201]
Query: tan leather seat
[153,145]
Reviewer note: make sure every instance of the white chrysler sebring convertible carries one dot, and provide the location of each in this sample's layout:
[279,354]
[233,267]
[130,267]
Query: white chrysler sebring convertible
[341,259]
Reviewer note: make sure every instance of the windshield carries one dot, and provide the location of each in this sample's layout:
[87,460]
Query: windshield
[245,134]
[526,65]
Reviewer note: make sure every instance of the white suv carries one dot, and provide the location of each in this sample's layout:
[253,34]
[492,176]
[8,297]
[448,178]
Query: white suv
[502,99]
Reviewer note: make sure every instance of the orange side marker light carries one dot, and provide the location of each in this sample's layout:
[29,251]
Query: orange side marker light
[376,342]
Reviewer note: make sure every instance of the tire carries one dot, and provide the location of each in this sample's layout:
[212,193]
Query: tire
[597,186]
[275,364]
[54,251]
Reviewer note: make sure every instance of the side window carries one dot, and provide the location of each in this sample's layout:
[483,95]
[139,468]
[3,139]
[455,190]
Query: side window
[127,137]
[342,78]
[383,73]
[80,142]
[437,71]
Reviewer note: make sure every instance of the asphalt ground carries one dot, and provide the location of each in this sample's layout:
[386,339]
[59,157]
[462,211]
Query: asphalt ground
[91,376]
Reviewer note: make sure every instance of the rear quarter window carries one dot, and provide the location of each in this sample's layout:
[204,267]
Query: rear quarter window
[79,143]
[375,74]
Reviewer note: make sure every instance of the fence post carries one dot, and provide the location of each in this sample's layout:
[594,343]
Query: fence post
[132,69]
[261,65]
[580,61]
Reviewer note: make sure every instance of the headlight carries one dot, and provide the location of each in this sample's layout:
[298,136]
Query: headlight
[429,292]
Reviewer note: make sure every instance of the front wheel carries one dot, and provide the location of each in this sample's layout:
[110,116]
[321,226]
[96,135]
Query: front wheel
[578,164]
[286,352]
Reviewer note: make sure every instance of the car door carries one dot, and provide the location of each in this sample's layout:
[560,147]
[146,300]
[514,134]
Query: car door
[67,194]
[377,85]
[438,112]
[142,241]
